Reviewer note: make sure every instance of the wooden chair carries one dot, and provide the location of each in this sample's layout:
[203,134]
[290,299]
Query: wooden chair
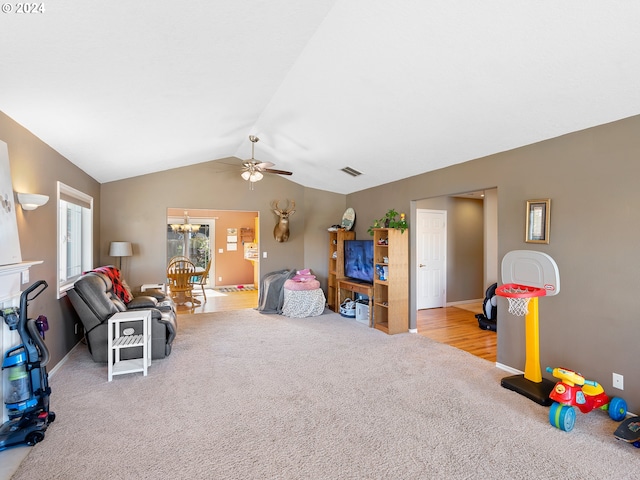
[178,258]
[179,274]
[201,279]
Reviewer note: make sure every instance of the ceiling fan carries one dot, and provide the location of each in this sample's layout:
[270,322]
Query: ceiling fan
[254,169]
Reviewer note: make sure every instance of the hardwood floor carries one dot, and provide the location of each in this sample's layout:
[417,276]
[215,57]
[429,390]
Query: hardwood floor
[451,325]
[458,328]
[220,302]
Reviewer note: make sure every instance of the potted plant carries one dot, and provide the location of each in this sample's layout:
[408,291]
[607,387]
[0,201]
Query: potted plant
[390,221]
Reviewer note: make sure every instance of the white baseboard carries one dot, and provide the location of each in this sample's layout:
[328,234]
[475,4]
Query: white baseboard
[463,302]
[64,359]
[413,330]
[508,369]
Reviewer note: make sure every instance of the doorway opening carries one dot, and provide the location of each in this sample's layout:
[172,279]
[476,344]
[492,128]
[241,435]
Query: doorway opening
[455,263]
[229,241]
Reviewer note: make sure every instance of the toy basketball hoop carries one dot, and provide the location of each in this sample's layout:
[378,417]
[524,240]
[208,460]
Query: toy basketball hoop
[527,275]
[519,296]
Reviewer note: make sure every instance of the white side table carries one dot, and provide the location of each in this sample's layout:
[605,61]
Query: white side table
[148,286]
[117,341]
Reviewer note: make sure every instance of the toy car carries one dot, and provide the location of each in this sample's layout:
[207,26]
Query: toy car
[574,391]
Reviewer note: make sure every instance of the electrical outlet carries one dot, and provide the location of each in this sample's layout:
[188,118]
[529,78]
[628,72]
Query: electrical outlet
[618,381]
[219,279]
[25,276]
[264,254]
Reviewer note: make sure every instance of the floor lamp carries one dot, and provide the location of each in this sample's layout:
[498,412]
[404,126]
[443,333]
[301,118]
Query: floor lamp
[120,249]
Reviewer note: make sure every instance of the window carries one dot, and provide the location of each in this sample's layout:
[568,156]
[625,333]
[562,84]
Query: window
[75,235]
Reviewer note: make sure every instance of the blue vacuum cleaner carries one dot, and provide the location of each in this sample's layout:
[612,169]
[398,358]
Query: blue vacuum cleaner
[25,380]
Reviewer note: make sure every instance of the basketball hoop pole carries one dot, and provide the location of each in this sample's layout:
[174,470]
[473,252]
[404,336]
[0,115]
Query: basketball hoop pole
[532,385]
[527,275]
[532,369]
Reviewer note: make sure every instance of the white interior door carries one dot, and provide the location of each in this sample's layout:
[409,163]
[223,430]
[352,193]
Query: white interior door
[431,245]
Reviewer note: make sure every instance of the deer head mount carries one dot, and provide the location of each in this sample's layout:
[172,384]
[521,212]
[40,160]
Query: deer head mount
[281,231]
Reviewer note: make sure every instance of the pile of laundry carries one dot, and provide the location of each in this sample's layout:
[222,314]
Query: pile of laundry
[302,280]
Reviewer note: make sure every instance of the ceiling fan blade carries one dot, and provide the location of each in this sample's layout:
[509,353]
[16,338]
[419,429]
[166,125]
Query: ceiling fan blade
[254,166]
[279,172]
[263,165]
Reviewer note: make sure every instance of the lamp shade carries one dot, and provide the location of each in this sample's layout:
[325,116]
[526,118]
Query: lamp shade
[120,249]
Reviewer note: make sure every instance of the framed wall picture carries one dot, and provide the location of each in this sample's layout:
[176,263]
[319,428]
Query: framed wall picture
[538,221]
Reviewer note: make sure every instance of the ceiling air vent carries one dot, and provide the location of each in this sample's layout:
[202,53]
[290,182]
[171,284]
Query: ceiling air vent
[351,171]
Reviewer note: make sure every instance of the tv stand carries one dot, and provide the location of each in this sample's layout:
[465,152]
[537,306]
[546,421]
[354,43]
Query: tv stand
[354,286]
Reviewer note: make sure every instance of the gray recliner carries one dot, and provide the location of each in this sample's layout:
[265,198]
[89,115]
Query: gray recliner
[94,300]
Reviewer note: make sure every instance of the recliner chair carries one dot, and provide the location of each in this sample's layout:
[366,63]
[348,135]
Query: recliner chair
[94,300]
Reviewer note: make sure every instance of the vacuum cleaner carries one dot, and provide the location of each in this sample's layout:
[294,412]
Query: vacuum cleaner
[25,380]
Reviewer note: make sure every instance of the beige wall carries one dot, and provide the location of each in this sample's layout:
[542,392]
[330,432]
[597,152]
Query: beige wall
[467,250]
[591,177]
[491,261]
[323,209]
[35,168]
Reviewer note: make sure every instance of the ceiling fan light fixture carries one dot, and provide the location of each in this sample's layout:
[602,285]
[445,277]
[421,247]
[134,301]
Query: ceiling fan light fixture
[253,169]
[252,176]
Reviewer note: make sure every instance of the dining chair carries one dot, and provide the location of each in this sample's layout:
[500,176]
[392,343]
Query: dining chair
[179,273]
[200,279]
[178,258]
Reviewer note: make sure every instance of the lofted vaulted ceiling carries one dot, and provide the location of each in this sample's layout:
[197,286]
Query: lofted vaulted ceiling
[389,88]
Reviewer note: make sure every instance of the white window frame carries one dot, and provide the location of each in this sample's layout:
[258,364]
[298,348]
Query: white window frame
[69,194]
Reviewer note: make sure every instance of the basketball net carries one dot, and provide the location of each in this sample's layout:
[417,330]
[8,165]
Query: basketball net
[518,306]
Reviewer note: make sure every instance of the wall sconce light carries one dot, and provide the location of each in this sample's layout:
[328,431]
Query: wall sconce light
[31,201]
[120,249]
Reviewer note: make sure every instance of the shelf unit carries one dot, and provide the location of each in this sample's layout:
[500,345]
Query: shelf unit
[350,288]
[391,294]
[336,265]
[119,340]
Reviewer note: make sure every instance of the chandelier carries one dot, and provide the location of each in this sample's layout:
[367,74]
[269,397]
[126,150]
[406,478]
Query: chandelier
[186,226]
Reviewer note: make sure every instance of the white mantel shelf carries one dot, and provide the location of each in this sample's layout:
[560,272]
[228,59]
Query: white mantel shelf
[18,267]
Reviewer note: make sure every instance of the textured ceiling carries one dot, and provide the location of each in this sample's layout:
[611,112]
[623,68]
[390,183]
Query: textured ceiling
[390,88]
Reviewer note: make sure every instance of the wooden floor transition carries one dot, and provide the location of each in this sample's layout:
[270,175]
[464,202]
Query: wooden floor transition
[458,328]
[453,326]
[221,301]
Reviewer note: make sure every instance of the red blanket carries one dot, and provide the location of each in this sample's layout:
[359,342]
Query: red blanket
[120,287]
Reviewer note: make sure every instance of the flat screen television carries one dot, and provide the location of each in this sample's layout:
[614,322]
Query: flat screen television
[358,260]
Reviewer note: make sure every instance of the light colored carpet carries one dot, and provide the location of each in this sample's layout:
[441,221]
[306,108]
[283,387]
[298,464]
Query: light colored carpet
[252,396]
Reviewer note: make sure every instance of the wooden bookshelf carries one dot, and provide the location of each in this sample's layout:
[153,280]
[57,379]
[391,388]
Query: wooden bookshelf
[391,293]
[336,265]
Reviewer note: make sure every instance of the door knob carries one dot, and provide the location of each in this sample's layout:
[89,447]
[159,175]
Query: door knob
[421,265]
